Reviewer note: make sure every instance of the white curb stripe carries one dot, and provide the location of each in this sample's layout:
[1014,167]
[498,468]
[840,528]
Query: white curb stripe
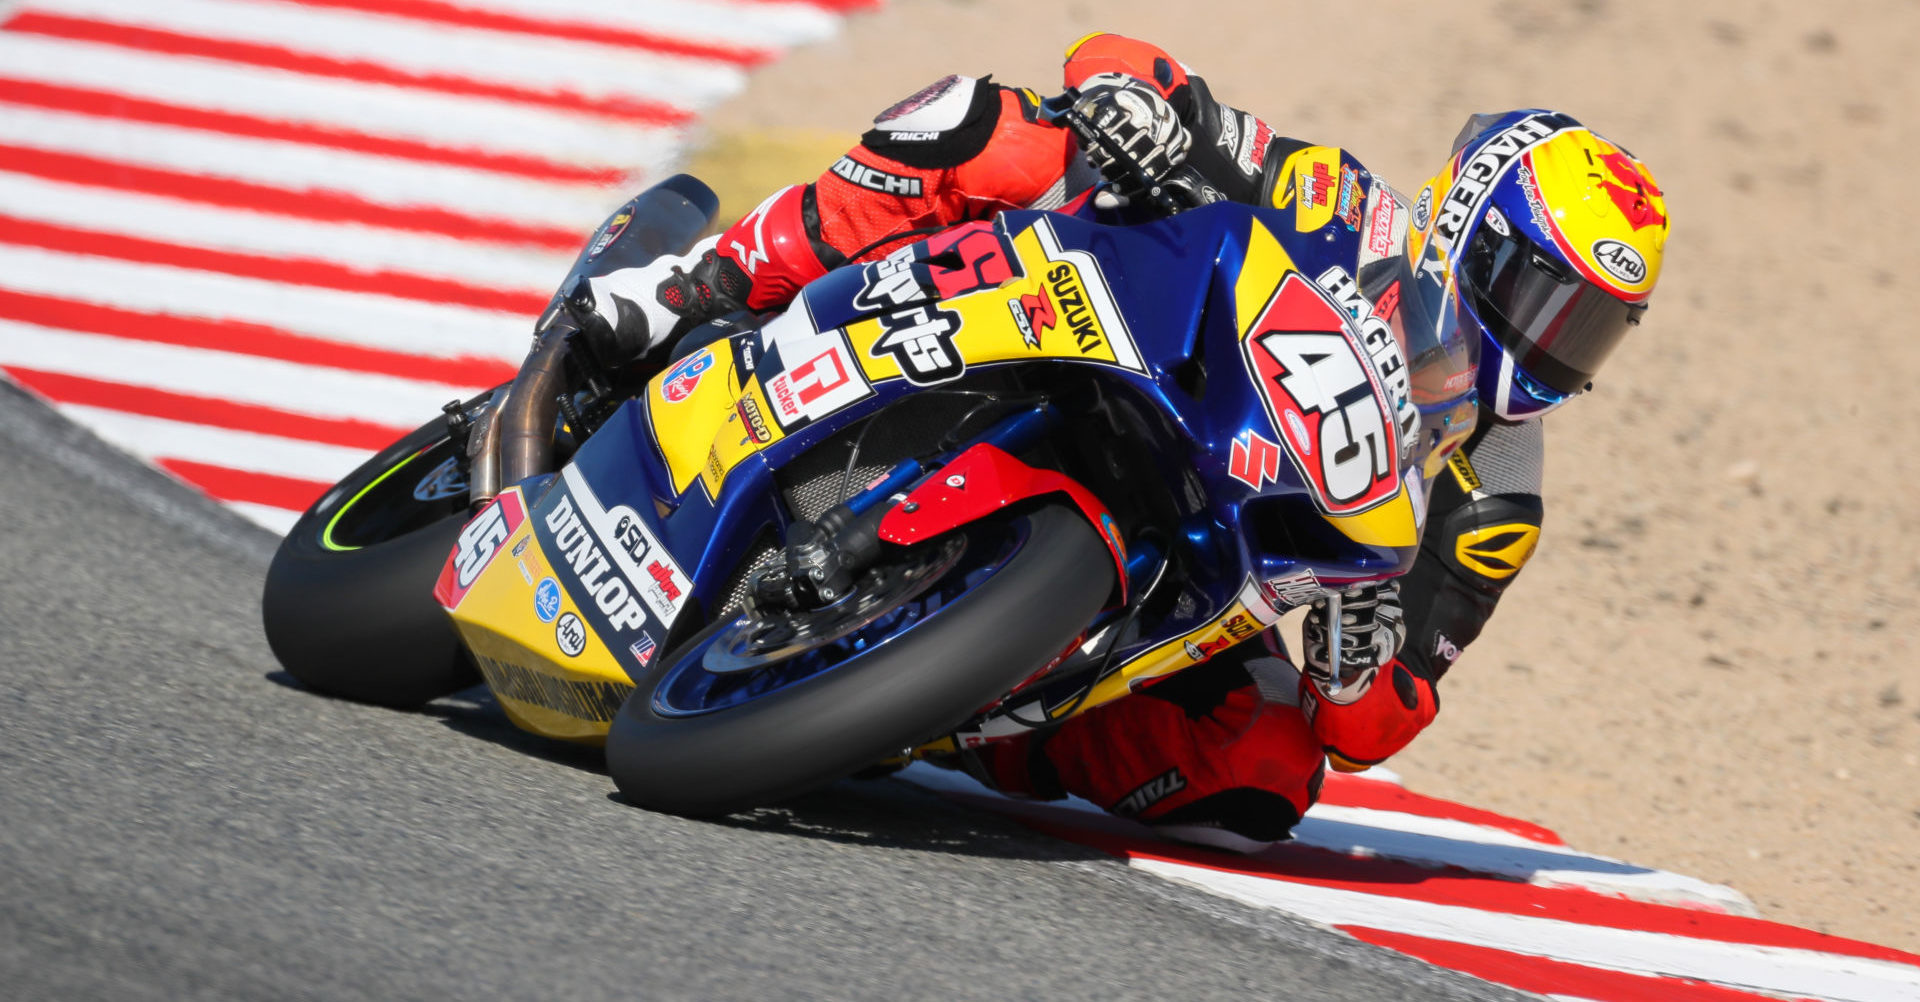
[421,48]
[278,521]
[152,438]
[263,382]
[351,245]
[348,317]
[1445,842]
[1736,965]
[749,23]
[465,122]
[297,166]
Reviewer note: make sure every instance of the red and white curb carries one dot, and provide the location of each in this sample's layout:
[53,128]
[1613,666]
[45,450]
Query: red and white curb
[252,241]
[1495,897]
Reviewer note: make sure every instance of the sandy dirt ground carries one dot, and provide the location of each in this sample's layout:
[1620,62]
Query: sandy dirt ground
[1706,667]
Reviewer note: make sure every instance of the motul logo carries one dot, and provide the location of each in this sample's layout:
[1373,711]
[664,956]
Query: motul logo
[1150,793]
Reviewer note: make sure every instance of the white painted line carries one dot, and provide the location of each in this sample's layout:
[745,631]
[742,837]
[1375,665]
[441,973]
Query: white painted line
[348,317]
[360,248]
[225,376]
[1440,842]
[1331,826]
[153,438]
[1736,965]
[278,521]
[1445,842]
[424,48]
[389,181]
[463,122]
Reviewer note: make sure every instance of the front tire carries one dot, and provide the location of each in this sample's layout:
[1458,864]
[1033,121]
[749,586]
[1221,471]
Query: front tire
[348,603]
[916,685]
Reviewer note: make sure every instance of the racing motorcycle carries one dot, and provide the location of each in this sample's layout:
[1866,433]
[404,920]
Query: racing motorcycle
[1000,477]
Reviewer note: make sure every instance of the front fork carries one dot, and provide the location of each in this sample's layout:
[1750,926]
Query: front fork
[913,503]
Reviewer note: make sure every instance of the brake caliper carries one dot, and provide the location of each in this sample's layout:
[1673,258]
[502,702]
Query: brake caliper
[822,561]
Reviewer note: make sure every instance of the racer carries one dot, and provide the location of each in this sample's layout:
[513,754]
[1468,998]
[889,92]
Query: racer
[1538,235]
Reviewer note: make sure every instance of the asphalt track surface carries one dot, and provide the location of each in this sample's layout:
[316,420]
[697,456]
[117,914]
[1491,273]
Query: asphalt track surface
[179,820]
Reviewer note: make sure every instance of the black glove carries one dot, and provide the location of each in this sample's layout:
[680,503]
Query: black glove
[1130,115]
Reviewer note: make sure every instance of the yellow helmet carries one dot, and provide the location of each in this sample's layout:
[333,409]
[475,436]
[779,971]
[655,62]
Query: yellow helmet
[1549,239]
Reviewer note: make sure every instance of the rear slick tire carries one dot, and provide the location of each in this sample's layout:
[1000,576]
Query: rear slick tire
[915,686]
[361,622]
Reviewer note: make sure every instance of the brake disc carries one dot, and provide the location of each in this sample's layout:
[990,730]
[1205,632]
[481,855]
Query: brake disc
[756,640]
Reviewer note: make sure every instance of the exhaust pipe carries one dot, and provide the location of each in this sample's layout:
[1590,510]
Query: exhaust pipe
[526,421]
[514,439]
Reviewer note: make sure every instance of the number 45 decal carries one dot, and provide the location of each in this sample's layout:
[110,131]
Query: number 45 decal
[1325,400]
[479,543]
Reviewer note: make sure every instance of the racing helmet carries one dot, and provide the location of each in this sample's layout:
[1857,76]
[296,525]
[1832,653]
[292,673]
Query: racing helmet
[1548,239]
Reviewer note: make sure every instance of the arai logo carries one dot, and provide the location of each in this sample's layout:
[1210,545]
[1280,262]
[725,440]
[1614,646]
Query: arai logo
[570,635]
[1621,261]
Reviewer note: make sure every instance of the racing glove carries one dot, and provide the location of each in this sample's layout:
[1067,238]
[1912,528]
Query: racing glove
[1372,628]
[1362,723]
[1131,116]
[1376,725]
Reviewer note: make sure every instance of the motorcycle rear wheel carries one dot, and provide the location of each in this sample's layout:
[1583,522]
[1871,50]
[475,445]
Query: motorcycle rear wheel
[916,685]
[348,603]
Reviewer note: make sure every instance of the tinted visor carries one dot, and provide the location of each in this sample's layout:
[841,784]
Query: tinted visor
[1557,325]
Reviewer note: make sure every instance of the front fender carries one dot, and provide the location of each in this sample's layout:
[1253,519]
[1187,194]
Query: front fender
[985,479]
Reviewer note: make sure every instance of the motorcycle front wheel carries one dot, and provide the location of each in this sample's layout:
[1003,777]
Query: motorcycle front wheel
[348,602]
[705,734]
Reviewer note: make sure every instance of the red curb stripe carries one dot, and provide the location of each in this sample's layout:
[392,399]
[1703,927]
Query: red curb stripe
[438,12]
[127,398]
[1381,796]
[280,58]
[106,104]
[292,271]
[325,206]
[1451,886]
[243,338]
[1545,976]
[228,484]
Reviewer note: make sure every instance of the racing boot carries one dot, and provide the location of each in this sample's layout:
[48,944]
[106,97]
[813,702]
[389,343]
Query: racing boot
[631,313]
[758,264]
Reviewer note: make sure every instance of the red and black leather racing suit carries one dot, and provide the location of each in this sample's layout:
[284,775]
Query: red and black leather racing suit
[1233,751]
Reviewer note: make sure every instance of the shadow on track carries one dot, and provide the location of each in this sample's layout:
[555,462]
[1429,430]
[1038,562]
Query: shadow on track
[874,813]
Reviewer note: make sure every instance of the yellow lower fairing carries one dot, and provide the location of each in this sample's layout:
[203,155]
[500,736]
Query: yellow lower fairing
[689,412]
[542,687]
[1232,627]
